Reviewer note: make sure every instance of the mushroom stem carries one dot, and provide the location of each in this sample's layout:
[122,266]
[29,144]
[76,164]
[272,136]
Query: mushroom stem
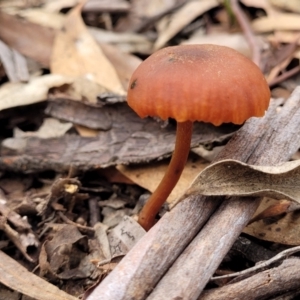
[171,177]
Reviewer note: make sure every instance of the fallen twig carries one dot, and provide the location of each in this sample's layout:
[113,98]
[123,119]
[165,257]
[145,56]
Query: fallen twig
[82,228]
[264,285]
[284,76]
[260,266]
[250,37]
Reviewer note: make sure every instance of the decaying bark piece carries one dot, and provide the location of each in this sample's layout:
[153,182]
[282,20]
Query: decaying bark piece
[265,141]
[141,140]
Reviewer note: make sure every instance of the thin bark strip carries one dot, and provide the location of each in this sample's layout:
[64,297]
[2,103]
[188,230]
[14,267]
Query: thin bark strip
[266,141]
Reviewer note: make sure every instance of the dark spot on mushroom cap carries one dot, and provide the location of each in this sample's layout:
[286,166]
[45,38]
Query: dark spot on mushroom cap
[133,84]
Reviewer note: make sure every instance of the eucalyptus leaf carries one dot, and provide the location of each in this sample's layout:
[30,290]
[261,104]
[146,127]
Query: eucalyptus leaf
[234,178]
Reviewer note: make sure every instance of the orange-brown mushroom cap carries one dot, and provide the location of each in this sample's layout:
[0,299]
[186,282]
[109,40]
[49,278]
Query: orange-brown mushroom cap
[206,83]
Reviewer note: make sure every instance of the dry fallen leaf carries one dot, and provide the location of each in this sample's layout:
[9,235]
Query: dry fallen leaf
[263,4]
[76,53]
[15,64]
[285,37]
[148,9]
[149,176]
[110,6]
[82,89]
[236,41]
[115,176]
[292,5]
[65,252]
[36,90]
[42,17]
[58,5]
[279,67]
[16,277]
[124,236]
[184,16]
[112,217]
[101,236]
[141,11]
[49,129]
[276,210]
[280,21]
[124,63]
[21,240]
[283,229]
[234,178]
[30,39]
[127,42]
[85,131]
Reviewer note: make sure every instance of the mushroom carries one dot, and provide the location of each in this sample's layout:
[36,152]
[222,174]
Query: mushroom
[188,83]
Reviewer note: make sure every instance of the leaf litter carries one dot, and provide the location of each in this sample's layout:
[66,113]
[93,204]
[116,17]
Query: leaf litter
[76,163]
